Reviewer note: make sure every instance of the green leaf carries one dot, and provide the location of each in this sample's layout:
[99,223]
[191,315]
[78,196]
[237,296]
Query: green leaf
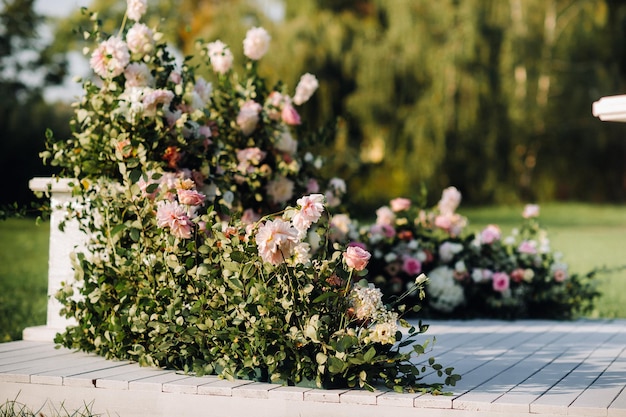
[335,365]
[369,355]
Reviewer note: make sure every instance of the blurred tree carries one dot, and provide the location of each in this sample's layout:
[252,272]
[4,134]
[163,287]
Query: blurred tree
[26,67]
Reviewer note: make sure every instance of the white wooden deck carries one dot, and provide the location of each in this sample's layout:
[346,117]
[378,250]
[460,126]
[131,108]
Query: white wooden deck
[521,368]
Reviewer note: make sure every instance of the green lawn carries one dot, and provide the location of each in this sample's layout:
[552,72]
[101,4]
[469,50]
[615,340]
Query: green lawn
[23,276]
[588,236]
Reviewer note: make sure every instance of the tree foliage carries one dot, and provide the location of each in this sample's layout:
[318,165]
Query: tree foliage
[492,96]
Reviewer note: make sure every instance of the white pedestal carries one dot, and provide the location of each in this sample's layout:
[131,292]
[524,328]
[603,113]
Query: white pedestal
[610,108]
[62,244]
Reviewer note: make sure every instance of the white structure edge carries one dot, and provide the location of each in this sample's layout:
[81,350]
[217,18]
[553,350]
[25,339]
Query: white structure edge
[62,245]
[610,108]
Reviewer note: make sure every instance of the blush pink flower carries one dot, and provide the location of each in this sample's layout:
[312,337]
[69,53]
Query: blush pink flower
[450,200]
[276,241]
[174,216]
[400,204]
[256,44]
[306,87]
[411,265]
[528,247]
[248,116]
[385,215]
[385,230]
[500,281]
[517,275]
[136,8]
[290,115]
[356,258]
[140,39]
[154,99]
[490,234]
[110,58]
[249,158]
[190,197]
[530,211]
[220,56]
[137,74]
[311,209]
[280,190]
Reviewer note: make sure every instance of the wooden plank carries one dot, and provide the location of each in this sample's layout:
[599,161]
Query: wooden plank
[221,387]
[18,345]
[189,385]
[561,395]
[155,383]
[123,377]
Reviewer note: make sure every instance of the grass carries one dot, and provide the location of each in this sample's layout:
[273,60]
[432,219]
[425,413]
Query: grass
[589,237]
[23,276]
[14,408]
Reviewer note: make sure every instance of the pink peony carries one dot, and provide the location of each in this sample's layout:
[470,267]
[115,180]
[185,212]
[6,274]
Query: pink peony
[174,216]
[256,43]
[400,204]
[311,209]
[220,56]
[248,116]
[140,39]
[411,265]
[356,257]
[136,8]
[530,210]
[276,241]
[305,88]
[490,234]
[190,197]
[110,58]
[451,222]
[500,281]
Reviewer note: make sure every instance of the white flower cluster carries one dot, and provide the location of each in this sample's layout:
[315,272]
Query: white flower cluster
[444,293]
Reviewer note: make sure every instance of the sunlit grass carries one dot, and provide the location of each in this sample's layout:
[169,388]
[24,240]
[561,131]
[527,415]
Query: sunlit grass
[23,276]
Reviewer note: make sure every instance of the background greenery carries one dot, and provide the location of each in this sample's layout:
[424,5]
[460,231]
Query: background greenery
[491,96]
[589,236]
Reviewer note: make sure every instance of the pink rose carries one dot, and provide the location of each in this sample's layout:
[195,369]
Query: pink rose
[276,241]
[110,58]
[400,204]
[140,39]
[190,197]
[500,281]
[490,234]
[356,257]
[136,8]
[411,266]
[517,275]
[385,230]
[174,216]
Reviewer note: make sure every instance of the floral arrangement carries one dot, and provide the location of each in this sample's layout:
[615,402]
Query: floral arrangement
[199,258]
[481,274]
